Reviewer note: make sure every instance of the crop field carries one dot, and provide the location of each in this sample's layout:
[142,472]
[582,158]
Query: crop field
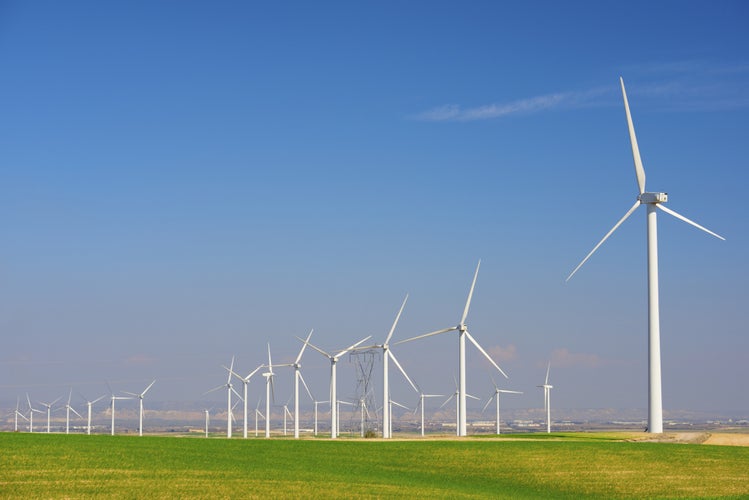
[563,466]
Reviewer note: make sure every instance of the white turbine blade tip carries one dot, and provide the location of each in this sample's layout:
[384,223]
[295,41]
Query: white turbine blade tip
[688,221]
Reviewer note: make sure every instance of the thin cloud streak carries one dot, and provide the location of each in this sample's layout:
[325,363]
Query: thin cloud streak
[563,100]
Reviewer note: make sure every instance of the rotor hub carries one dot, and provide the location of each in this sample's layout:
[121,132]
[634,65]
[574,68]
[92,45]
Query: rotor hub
[653,198]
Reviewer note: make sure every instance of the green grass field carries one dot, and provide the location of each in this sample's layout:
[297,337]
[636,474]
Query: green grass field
[571,466]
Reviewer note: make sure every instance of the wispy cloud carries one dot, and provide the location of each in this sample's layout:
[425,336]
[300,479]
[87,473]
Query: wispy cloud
[563,358]
[677,86]
[503,354]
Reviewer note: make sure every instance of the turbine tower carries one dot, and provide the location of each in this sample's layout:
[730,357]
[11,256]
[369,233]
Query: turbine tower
[140,400]
[462,330]
[114,398]
[653,202]
[547,400]
[333,398]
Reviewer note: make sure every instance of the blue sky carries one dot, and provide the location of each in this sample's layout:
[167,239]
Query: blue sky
[183,182]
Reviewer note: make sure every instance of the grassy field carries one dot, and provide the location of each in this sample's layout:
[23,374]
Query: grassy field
[570,466]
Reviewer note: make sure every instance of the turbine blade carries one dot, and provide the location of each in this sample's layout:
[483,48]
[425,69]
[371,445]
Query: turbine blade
[231,367]
[548,366]
[270,363]
[639,171]
[397,317]
[253,372]
[149,386]
[688,221]
[392,356]
[352,346]
[470,294]
[629,212]
[304,346]
[486,355]
[427,335]
[503,391]
[448,400]
[98,399]
[73,410]
[70,395]
[313,346]
[487,404]
[305,386]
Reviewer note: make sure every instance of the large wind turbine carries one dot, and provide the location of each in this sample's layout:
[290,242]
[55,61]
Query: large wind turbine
[269,390]
[18,414]
[547,398]
[653,201]
[229,390]
[89,404]
[49,410]
[462,330]
[31,413]
[423,396]
[457,396]
[140,400]
[68,409]
[333,398]
[297,377]
[114,398]
[245,383]
[495,395]
[387,355]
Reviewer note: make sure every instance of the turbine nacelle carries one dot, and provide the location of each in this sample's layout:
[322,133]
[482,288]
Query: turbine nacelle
[652,198]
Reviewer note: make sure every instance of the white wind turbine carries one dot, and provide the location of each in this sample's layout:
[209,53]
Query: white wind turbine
[229,390]
[89,404]
[68,409]
[207,420]
[114,398]
[49,410]
[333,361]
[422,397]
[495,395]
[140,400]
[31,413]
[258,413]
[269,391]
[462,330]
[387,355]
[297,377]
[18,414]
[245,383]
[457,396]
[653,201]
[547,398]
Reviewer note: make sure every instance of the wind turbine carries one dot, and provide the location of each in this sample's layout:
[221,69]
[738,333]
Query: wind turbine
[423,396]
[258,413]
[547,401]
[333,398]
[49,410]
[31,413]
[229,390]
[245,383]
[68,409]
[653,201]
[18,414]
[89,404]
[114,398]
[457,395]
[140,400]
[297,377]
[269,391]
[387,355]
[207,420]
[462,330]
[497,392]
